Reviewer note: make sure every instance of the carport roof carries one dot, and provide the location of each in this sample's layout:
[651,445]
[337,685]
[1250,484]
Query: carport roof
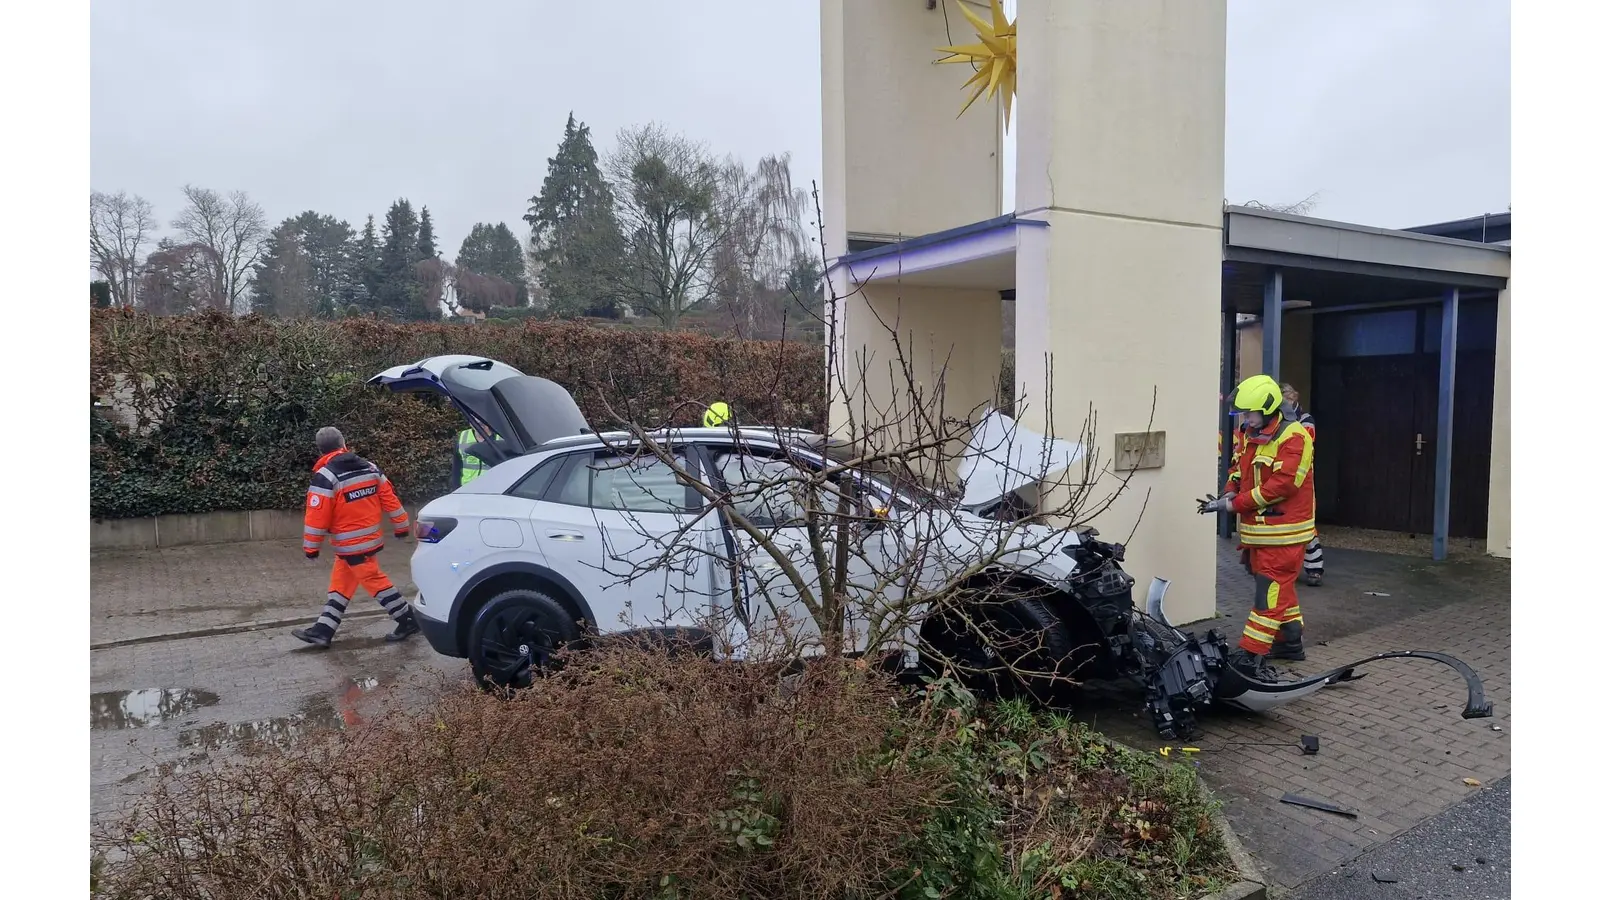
[1323,262]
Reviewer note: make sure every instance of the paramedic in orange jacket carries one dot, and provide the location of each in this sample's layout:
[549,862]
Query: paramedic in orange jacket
[1271,489]
[348,504]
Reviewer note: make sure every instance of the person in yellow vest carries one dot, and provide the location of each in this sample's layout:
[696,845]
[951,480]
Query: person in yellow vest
[467,466]
[717,414]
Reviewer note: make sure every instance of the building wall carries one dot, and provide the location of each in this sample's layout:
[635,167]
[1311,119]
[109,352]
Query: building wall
[1499,535]
[943,342]
[1121,151]
[896,159]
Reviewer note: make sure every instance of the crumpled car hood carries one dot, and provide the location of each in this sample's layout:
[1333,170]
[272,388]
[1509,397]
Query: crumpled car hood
[1004,456]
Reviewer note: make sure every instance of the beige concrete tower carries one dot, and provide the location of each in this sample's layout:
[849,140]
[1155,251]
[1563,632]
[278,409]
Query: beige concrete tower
[1120,150]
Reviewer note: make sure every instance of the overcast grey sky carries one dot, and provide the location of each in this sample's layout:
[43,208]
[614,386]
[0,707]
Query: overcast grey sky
[1397,112]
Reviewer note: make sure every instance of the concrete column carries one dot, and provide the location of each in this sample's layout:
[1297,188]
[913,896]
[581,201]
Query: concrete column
[1120,149]
[1444,435]
[940,346]
[1499,543]
[1272,325]
[896,160]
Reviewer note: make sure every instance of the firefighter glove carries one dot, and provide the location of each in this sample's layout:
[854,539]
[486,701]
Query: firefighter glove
[1214,504]
[312,554]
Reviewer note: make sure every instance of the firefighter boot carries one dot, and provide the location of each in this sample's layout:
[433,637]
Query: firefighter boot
[407,626]
[319,634]
[1252,665]
[1288,644]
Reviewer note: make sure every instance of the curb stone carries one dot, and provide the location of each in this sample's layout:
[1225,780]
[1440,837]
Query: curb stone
[226,629]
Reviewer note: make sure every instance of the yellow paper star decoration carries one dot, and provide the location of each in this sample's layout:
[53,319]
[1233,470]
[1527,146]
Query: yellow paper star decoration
[995,58]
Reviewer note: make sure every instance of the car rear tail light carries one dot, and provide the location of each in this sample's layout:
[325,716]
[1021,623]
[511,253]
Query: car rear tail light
[432,531]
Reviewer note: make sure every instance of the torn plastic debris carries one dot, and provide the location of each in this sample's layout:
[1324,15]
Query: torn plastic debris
[1185,673]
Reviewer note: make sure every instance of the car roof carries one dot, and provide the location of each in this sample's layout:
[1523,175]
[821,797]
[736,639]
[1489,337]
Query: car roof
[768,434]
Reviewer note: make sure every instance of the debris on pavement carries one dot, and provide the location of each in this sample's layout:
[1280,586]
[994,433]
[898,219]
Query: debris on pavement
[1384,877]
[1471,782]
[1310,744]
[1374,594]
[1314,803]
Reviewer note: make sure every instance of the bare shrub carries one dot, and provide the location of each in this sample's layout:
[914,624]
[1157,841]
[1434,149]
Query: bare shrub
[628,774]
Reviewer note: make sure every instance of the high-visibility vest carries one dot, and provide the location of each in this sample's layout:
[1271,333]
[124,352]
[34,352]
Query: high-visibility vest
[1276,472]
[471,466]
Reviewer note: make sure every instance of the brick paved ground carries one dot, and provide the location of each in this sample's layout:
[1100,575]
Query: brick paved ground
[1393,744]
[139,594]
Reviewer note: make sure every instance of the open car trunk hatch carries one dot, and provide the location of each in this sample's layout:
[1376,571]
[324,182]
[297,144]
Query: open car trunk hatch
[516,412]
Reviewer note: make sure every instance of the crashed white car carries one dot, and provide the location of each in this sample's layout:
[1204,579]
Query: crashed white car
[572,537]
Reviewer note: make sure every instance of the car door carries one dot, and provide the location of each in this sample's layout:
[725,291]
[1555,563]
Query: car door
[765,488]
[622,530]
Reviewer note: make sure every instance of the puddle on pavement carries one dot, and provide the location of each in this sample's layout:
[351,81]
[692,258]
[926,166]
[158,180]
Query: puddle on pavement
[145,708]
[317,713]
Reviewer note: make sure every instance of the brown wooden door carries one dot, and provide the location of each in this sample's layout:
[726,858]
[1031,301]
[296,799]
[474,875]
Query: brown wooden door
[1366,442]
[1472,429]
[1372,407]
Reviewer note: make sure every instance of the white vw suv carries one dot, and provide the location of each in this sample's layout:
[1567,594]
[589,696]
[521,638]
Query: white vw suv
[570,535]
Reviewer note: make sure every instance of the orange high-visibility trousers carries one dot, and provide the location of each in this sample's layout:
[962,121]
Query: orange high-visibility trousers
[1277,603]
[344,580]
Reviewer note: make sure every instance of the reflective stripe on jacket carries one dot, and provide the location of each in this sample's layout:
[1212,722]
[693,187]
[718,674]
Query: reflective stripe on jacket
[1274,471]
[348,503]
[471,466]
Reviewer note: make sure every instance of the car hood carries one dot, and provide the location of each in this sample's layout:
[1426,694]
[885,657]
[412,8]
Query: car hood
[523,411]
[1004,457]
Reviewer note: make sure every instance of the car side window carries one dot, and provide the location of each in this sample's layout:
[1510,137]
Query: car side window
[534,484]
[614,481]
[768,491]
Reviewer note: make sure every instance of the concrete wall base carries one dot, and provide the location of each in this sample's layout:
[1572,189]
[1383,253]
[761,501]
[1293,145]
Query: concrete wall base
[153,532]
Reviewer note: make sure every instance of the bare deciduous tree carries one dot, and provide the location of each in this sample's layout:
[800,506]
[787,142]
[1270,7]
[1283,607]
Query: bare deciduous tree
[876,537]
[666,205]
[233,228]
[120,225]
[1298,208]
[179,278]
[763,218]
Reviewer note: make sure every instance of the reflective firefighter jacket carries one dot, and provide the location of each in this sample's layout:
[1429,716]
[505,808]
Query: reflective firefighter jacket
[1274,471]
[347,503]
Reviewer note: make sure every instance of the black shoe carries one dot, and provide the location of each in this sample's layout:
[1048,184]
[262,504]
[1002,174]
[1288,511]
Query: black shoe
[318,634]
[1289,644]
[406,627]
[1295,652]
[1313,578]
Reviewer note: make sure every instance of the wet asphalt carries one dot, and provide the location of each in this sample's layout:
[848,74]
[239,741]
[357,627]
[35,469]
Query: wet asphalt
[1461,854]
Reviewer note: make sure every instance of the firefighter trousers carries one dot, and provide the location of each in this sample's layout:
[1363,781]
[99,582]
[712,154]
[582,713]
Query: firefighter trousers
[350,573]
[1276,612]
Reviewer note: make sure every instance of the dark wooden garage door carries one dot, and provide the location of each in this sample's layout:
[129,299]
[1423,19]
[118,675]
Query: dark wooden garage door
[1376,389]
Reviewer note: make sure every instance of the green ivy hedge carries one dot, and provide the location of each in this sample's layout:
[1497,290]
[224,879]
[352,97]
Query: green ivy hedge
[208,412]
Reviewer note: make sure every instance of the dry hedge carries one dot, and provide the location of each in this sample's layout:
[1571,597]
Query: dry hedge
[627,776]
[634,775]
[209,412]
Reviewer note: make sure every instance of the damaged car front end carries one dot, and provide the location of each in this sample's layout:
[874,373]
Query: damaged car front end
[1181,673]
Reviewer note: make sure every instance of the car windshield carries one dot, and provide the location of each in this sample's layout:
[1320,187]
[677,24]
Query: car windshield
[906,487]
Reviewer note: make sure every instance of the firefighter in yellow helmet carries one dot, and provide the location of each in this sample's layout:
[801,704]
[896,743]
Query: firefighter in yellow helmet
[1272,491]
[717,414]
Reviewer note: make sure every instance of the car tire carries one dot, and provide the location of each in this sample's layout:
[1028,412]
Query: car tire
[515,636]
[1019,649]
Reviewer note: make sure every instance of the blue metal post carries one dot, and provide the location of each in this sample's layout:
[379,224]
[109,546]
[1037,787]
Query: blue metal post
[1230,368]
[1272,323]
[1447,407]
